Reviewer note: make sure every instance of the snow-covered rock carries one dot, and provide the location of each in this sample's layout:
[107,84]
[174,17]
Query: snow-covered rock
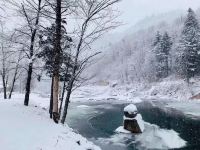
[131,109]
[133,121]
[140,122]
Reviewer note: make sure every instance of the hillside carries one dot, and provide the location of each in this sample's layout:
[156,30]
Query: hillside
[130,59]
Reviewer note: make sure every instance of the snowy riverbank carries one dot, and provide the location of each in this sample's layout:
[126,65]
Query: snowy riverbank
[165,90]
[29,128]
[174,93]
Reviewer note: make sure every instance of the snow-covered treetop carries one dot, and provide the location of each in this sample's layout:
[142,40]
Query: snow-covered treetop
[191,26]
[130,109]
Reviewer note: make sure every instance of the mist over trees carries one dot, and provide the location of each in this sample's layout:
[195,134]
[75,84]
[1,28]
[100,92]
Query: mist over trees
[155,53]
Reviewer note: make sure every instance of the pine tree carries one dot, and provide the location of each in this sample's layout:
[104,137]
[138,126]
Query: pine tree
[162,46]
[157,39]
[47,52]
[190,43]
[47,55]
[166,45]
[157,48]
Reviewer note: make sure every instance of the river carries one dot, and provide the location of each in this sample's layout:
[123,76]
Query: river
[98,122]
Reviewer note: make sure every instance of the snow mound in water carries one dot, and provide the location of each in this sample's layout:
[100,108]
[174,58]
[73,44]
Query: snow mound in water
[155,138]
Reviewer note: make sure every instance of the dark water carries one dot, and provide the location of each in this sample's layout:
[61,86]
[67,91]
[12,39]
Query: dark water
[99,121]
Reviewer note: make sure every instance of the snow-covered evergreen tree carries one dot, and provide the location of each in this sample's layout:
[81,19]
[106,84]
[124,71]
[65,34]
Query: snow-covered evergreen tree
[166,45]
[47,52]
[190,44]
[157,50]
[157,39]
[162,46]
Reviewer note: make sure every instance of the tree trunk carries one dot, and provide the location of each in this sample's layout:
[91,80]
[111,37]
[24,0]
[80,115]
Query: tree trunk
[64,89]
[13,83]
[30,69]
[69,91]
[4,86]
[51,100]
[55,98]
[62,97]
[28,84]
[57,49]
[4,75]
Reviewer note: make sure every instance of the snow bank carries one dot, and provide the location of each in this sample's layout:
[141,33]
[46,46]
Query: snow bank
[173,88]
[170,88]
[187,107]
[29,128]
[105,94]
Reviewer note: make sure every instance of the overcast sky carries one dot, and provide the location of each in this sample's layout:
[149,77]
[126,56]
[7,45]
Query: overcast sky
[135,10]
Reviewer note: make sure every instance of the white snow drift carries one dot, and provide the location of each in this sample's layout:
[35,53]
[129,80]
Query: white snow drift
[29,128]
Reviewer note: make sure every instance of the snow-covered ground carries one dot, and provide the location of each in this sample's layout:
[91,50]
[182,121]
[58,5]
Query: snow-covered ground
[170,88]
[29,128]
[104,93]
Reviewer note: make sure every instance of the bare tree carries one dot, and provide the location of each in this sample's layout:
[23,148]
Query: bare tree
[30,11]
[5,58]
[96,17]
[33,28]
[16,73]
